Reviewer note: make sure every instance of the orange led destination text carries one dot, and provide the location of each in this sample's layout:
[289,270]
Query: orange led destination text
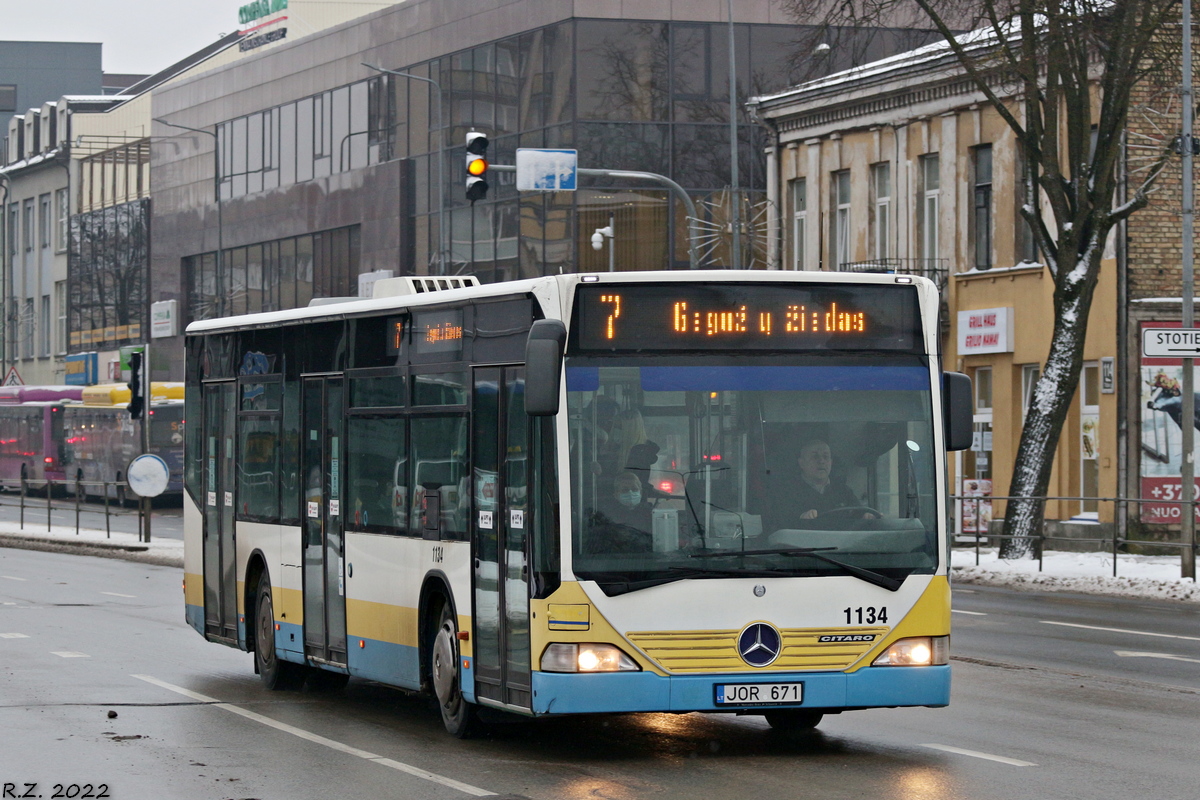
[796,319]
[443,332]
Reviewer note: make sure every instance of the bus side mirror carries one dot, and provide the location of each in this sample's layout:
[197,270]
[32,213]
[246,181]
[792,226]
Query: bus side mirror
[957,411]
[543,366]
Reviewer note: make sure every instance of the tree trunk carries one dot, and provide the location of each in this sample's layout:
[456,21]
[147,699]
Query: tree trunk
[1048,410]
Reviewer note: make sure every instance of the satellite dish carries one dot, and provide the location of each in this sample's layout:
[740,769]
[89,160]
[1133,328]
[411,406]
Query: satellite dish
[148,475]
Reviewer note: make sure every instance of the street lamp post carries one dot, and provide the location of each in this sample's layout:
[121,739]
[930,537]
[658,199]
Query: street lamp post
[216,193]
[735,260]
[442,268]
[606,233]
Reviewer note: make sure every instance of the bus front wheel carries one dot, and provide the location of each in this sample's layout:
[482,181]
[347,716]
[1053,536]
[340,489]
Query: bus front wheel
[458,715]
[793,719]
[276,673]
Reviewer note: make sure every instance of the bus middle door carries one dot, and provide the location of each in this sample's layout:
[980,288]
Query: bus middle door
[220,577]
[324,546]
[500,440]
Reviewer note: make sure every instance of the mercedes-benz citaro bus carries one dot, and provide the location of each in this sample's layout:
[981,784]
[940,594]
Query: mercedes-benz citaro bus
[708,491]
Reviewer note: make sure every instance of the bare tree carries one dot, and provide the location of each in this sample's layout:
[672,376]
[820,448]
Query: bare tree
[1062,74]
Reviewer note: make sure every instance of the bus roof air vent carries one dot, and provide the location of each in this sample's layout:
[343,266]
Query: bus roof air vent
[420,284]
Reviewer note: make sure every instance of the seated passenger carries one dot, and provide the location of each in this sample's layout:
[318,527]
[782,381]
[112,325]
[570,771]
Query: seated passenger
[623,522]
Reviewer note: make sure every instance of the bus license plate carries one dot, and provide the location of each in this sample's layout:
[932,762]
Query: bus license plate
[749,694]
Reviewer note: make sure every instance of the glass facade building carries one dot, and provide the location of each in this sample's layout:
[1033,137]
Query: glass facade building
[632,95]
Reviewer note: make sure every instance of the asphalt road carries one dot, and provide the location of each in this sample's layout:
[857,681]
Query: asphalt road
[1038,711]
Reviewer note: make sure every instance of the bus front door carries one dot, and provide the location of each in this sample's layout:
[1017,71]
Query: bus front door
[501,447]
[324,548]
[220,576]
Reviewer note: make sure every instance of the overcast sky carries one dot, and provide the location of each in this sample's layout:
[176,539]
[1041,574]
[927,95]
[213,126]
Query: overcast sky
[139,36]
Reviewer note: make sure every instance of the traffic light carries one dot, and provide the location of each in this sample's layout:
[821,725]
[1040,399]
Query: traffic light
[477,166]
[136,401]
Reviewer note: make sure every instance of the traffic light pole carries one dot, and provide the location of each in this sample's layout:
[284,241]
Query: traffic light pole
[645,176]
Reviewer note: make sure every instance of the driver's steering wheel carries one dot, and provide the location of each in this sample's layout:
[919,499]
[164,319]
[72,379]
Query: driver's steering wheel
[854,512]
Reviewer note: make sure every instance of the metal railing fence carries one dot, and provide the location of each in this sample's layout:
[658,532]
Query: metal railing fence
[1120,523]
[74,492]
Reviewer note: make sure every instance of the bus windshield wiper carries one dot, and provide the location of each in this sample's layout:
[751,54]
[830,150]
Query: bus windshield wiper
[891,584]
[615,587]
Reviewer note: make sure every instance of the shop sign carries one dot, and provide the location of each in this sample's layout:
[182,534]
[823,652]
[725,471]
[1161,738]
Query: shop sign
[82,369]
[985,330]
[259,9]
[162,319]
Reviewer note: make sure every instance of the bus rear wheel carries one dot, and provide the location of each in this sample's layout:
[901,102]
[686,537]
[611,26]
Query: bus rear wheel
[276,673]
[792,720]
[459,716]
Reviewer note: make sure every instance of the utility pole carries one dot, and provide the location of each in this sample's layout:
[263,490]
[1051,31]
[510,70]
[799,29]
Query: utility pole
[1187,467]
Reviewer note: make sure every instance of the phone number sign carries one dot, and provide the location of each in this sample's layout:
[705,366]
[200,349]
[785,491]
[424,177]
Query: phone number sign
[1166,490]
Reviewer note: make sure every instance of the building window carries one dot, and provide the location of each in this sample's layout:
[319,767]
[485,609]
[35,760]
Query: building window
[45,326]
[983,207]
[44,221]
[1029,378]
[335,131]
[799,222]
[63,215]
[29,225]
[60,304]
[841,218]
[930,203]
[28,323]
[881,188]
[269,276]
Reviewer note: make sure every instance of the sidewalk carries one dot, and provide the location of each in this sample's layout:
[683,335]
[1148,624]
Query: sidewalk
[1151,577]
[62,539]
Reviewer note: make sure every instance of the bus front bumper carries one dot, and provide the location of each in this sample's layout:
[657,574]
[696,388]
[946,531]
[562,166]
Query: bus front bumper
[869,687]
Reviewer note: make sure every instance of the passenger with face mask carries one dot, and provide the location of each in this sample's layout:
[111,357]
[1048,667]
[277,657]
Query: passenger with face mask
[623,523]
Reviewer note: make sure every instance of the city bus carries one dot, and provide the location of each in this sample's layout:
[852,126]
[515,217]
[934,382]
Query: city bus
[82,438]
[437,489]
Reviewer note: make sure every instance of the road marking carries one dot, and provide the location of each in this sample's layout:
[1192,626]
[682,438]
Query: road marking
[11,578]
[972,613]
[1133,654]
[1012,762]
[13,636]
[315,738]
[118,594]
[69,654]
[1121,630]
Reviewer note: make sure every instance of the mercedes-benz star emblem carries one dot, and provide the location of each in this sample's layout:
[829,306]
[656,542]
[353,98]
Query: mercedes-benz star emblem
[760,590]
[759,644]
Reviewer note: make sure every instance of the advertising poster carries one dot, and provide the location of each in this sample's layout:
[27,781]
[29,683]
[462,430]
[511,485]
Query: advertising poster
[1161,404]
[976,514]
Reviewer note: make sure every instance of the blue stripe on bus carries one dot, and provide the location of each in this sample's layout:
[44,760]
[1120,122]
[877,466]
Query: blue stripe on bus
[568,693]
[718,379]
[195,617]
[810,379]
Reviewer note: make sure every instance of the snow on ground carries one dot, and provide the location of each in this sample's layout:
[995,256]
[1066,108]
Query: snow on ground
[167,552]
[1153,577]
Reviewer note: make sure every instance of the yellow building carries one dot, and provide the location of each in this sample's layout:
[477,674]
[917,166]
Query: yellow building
[902,165]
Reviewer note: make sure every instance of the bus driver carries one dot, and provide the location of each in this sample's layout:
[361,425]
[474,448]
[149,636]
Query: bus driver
[815,494]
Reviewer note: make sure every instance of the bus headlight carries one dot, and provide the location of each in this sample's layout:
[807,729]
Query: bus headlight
[918,651]
[563,657]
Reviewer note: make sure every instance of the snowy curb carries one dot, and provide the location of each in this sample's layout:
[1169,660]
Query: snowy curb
[1140,588]
[125,546]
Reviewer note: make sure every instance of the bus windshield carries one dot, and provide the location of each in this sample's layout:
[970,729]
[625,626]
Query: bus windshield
[689,466]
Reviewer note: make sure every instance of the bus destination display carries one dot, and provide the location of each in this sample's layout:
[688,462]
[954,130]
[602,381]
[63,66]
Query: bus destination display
[746,316]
